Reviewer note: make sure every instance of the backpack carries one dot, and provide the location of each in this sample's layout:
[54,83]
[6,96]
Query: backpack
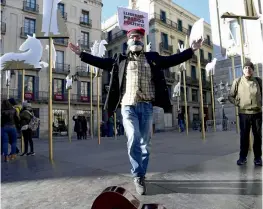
[34,122]
[257,79]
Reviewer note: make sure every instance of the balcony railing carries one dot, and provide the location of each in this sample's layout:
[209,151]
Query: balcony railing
[3,2]
[166,47]
[26,31]
[116,36]
[82,71]
[3,27]
[30,7]
[61,41]
[169,23]
[208,43]
[203,61]
[62,68]
[85,22]
[85,45]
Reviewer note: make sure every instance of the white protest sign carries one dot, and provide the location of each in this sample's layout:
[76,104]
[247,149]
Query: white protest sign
[129,19]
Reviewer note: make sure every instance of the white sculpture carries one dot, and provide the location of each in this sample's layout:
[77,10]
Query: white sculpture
[54,54]
[50,17]
[32,52]
[210,67]
[69,82]
[181,49]
[177,89]
[197,31]
[98,49]
[7,77]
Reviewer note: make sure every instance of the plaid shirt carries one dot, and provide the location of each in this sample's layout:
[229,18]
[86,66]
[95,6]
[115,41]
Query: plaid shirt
[137,85]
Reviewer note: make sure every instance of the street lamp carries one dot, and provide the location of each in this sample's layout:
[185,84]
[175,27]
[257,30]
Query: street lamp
[222,90]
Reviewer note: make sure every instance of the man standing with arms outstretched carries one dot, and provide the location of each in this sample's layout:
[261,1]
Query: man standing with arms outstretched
[137,83]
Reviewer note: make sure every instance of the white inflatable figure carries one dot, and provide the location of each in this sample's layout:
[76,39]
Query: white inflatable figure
[181,49]
[69,82]
[149,47]
[210,67]
[54,54]
[177,89]
[197,31]
[7,77]
[32,52]
[50,17]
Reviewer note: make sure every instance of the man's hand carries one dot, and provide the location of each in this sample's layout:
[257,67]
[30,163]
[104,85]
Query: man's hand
[197,44]
[74,48]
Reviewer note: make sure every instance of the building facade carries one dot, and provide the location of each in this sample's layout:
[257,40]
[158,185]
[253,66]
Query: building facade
[83,21]
[169,24]
[226,29]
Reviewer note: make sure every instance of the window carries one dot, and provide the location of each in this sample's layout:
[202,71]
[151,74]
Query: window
[60,60]
[85,89]
[110,53]
[204,97]
[60,122]
[58,86]
[164,38]
[189,29]
[180,42]
[29,26]
[203,75]
[182,93]
[29,84]
[201,54]
[193,72]
[124,47]
[163,16]
[84,38]
[194,95]
[109,35]
[85,16]
[208,40]
[180,25]
[1,47]
[209,56]
[31,4]
[61,8]
[239,73]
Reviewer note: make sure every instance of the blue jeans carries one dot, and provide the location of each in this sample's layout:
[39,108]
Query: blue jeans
[181,125]
[137,122]
[6,132]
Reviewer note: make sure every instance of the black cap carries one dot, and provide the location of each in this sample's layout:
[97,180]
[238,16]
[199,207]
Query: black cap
[12,101]
[249,64]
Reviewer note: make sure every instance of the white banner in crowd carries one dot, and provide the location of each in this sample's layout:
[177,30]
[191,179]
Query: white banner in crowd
[129,19]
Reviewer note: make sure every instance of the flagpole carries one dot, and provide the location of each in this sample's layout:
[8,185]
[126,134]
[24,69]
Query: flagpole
[236,108]
[91,98]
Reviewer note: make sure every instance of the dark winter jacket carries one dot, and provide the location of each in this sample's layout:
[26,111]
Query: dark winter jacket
[9,115]
[118,65]
[25,116]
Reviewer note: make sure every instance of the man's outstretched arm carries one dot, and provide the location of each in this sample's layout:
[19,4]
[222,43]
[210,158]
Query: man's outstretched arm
[102,63]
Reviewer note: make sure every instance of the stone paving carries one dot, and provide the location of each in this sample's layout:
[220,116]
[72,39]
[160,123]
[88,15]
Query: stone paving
[184,173]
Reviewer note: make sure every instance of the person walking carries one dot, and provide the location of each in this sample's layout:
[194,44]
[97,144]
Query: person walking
[246,94]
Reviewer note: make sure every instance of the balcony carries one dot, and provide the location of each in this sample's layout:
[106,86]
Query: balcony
[61,41]
[3,2]
[82,71]
[61,68]
[208,43]
[168,23]
[64,15]
[30,7]
[203,61]
[3,28]
[85,22]
[116,36]
[26,31]
[166,48]
[85,45]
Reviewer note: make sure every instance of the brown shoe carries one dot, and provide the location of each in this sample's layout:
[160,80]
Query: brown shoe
[12,157]
[6,158]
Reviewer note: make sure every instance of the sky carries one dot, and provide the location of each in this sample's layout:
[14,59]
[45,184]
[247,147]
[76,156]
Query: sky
[200,9]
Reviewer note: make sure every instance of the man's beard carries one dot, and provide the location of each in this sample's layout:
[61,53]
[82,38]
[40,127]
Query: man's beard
[134,46]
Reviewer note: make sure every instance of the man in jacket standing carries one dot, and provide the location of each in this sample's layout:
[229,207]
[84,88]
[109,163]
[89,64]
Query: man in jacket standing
[137,83]
[246,93]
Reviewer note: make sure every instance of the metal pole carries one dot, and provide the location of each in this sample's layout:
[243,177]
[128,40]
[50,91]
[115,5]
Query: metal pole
[257,70]
[236,108]
[185,103]
[91,98]
[50,117]
[115,125]
[23,99]
[98,109]
[69,117]
[201,94]
[213,101]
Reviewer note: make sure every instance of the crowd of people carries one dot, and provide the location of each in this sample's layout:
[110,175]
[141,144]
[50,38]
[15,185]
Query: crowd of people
[15,120]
